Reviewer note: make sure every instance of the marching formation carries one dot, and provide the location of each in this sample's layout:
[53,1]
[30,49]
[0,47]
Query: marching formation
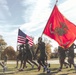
[26,55]
[57,28]
[69,52]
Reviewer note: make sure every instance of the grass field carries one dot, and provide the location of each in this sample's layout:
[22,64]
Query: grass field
[29,71]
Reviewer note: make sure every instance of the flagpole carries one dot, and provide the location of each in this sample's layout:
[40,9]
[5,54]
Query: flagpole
[17,42]
[56,2]
[51,13]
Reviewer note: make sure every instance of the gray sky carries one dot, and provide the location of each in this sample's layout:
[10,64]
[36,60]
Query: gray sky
[31,17]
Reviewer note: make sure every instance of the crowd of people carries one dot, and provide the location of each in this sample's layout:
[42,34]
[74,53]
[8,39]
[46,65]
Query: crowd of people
[42,59]
[69,52]
[25,55]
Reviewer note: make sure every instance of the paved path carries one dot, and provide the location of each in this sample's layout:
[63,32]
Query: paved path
[51,61]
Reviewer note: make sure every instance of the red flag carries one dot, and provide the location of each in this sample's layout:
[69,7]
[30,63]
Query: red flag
[60,29]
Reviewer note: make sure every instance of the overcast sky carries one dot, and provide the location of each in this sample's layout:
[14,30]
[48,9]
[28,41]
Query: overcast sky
[31,17]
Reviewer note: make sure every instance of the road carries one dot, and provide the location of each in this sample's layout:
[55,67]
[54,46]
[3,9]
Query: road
[51,61]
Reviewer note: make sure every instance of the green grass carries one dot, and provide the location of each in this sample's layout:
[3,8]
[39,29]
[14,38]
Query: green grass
[29,71]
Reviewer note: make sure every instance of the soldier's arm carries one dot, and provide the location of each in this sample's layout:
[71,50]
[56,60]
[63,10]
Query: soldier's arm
[37,50]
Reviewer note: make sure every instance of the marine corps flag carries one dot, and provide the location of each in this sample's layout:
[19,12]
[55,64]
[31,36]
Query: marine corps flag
[60,29]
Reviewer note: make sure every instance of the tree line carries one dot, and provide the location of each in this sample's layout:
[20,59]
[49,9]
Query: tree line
[11,53]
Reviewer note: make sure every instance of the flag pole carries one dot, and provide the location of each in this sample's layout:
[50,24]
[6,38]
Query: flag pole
[56,2]
[17,39]
[48,19]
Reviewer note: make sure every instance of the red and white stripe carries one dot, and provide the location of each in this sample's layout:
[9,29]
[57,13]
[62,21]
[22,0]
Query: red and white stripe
[22,39]
[30,40]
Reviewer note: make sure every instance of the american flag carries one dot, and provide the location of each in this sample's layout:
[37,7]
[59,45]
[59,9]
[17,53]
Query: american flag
[22,37]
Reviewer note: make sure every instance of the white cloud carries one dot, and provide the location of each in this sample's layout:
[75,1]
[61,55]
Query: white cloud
[3,2]
[68,9]
[38,12]
[39,16]
[4,7]
[41,13]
